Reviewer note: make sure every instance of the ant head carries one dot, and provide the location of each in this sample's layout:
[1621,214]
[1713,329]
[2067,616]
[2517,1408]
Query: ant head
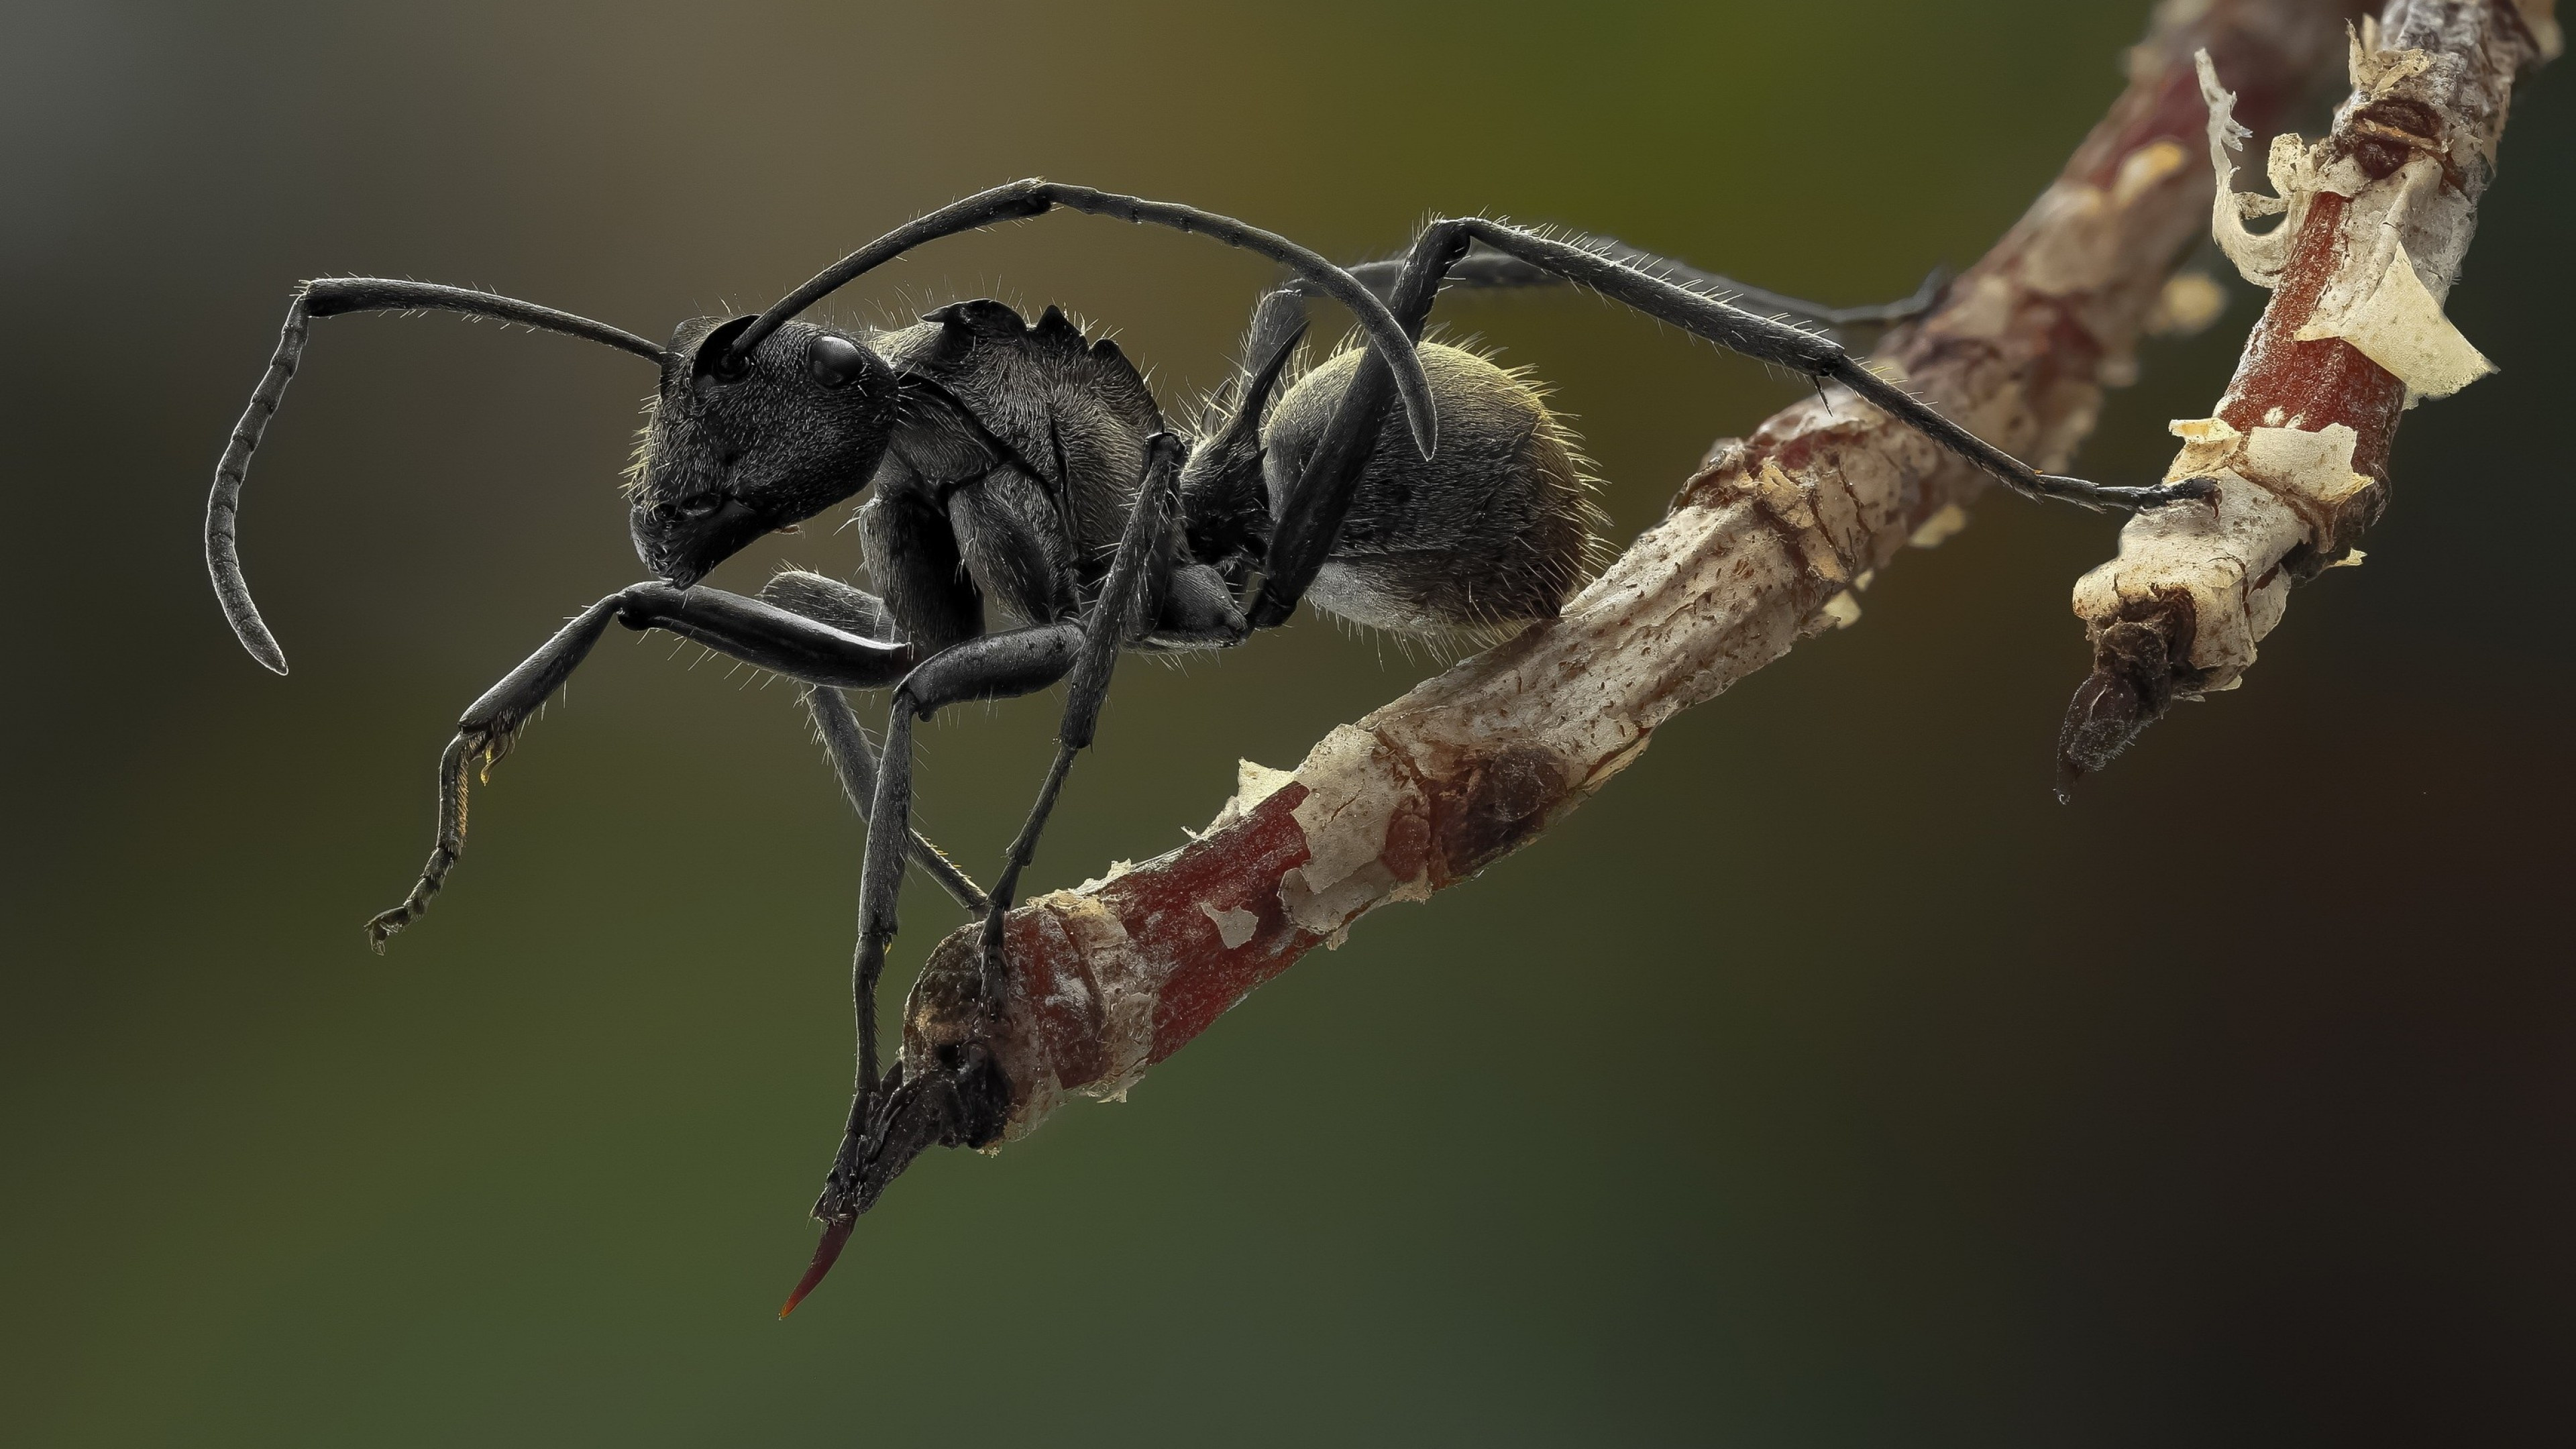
[738,446]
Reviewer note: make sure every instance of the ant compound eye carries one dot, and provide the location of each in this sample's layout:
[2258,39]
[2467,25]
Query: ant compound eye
[835,361]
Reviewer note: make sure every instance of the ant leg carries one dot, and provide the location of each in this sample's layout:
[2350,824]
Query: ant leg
[845,607]
[1743,296]
[1821,358]
[1108,629]
[854,761]
[766,636]
[484,734]
[746,629]
[854,764]
[892,1119]
[1439,259]
[1482,269]
[1282,311]
[1224,505]
[1310,517]
[992,666]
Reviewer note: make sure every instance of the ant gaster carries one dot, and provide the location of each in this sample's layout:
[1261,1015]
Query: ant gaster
[1023,467]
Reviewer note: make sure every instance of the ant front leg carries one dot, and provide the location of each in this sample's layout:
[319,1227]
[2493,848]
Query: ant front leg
[757,633]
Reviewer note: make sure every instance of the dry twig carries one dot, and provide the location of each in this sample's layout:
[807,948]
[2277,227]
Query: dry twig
[1765,546]
[2379,216]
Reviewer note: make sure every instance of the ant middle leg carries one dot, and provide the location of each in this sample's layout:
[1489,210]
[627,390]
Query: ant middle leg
[990,666]
[1112,622]
[887,1106]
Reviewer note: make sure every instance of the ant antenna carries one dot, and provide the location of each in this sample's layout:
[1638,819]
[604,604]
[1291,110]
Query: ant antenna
[329,298]
[1021,200]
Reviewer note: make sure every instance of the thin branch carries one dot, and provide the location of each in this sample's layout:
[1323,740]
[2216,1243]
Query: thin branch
[2378,218]
[1768,544]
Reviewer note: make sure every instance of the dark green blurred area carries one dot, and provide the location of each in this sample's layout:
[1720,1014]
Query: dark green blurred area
[1824,1082]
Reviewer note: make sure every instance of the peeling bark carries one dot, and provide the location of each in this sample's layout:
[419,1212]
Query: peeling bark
[2377,218]
[1772,541]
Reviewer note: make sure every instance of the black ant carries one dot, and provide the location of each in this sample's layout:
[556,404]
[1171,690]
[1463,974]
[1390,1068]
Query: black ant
[1024,466]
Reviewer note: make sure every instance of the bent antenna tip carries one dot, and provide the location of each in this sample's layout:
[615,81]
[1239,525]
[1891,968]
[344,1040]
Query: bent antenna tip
[1413,389]
[1425,425]
[262,644]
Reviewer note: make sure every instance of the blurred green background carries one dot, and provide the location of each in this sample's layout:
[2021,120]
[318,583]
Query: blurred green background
[1823,1083]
